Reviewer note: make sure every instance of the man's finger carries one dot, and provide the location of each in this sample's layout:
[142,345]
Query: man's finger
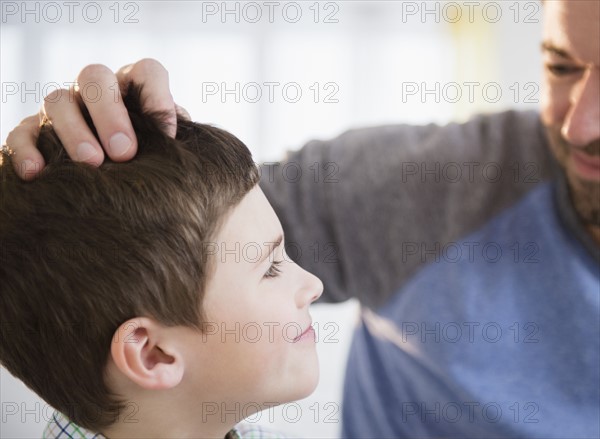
[61,108]
[26,159]
[100,93]
[156,95]
[182,112]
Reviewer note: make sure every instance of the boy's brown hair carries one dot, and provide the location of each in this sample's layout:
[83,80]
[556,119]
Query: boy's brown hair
[84,249]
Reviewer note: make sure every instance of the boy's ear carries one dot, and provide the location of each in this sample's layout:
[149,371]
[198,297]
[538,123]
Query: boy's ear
[141,350]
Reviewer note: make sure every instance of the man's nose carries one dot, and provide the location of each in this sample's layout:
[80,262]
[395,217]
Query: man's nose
[582,124]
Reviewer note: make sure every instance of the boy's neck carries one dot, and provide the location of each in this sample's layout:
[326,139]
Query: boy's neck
[165,420]
[178,412]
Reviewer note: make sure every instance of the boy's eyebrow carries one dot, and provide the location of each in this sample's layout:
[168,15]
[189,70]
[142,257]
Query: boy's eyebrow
[275,243]
[549,47]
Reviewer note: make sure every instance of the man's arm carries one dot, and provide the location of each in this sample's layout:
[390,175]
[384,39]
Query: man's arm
[371,206]
[364,200]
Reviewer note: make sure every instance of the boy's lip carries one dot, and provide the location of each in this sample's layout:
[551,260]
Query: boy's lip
[309,332]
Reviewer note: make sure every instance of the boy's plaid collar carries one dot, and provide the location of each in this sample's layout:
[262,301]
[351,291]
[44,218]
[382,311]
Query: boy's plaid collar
[60,427]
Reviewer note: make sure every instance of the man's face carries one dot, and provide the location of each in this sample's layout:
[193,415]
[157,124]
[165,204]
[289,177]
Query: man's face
[571,99]
[257,345]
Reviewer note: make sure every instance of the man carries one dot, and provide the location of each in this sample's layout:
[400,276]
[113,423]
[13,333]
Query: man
[482,291]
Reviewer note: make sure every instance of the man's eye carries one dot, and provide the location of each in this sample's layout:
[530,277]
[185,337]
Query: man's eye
[562,69]
[273,270]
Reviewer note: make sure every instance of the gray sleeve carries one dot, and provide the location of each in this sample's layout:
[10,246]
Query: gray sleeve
[356,208]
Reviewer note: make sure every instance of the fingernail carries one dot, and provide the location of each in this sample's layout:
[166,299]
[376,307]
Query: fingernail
[28,167]
[85,151]
[119,144]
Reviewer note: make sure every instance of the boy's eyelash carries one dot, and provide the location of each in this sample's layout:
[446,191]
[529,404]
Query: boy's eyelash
[273,270]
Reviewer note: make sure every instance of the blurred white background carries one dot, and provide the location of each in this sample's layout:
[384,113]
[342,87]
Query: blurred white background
[278,74]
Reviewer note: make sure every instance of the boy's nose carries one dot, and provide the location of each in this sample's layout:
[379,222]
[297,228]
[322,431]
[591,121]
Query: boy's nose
[310,290]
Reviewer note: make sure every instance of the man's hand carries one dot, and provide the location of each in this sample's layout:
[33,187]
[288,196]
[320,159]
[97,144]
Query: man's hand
[108,113]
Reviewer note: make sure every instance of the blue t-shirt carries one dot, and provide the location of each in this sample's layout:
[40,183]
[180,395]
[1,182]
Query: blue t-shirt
[498,336]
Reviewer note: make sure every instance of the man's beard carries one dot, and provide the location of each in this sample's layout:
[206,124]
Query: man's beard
[585,194]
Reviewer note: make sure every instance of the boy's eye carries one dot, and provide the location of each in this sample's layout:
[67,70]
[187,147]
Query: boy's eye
[562,69]
[273,270]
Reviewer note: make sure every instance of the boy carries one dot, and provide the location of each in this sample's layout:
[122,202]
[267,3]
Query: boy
[152,298]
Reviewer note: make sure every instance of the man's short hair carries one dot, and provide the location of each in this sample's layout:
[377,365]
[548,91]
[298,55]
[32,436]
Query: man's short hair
[84,249]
